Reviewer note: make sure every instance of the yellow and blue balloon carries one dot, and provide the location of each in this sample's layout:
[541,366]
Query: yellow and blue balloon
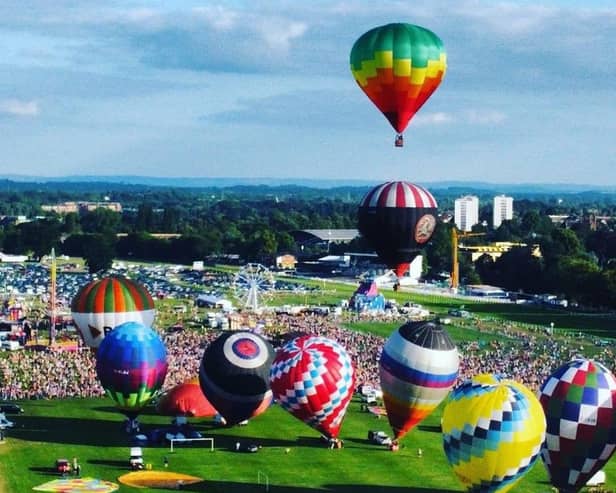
[493,429]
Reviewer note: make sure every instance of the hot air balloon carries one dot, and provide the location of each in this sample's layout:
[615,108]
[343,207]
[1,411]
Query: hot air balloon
[418,367]
[397,218]
[101,305]
[185,399]
[131,364]
[313,378]
[579,400]
[492,432]
[398,66]
[234,375]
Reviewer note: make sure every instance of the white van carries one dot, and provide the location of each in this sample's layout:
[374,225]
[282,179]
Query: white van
[5,423]
[10,345]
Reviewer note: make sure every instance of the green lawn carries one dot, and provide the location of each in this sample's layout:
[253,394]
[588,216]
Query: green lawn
[90,430]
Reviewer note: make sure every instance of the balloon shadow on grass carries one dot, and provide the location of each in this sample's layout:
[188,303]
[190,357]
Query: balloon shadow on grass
[74,431]
[233,487]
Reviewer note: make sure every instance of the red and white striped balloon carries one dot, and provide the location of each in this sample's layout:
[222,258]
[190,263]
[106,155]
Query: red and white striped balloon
[313,378]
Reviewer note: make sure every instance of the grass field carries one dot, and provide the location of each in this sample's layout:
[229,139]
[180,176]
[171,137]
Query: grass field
[90,429]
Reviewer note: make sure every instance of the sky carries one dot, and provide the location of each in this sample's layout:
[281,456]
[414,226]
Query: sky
[182,88]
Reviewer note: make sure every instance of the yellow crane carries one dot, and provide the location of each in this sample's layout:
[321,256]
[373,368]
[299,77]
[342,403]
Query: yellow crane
[455,266]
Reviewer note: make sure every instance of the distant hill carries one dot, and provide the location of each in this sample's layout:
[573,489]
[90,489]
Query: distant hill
[200,182]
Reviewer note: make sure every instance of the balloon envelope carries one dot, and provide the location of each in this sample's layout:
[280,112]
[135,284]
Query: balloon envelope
[397,219]
[234,375]
[418,367]
[398,66]
[313,378]
[579,400]
[186,399]
[101,305]
[492,433]
[131,364]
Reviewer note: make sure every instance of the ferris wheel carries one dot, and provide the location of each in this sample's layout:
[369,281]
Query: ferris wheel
[252,285]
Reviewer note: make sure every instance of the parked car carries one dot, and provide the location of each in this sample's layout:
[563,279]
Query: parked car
[379,437]
[10,408]
[5,423]
[63,466]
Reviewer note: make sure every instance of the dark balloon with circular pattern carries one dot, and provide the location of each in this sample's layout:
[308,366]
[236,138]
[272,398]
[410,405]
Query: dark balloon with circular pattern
[234,375]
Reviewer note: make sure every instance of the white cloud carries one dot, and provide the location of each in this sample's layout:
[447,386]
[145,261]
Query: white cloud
[472,117]
[15,107]
[437,118]
[485,117]
[278,33]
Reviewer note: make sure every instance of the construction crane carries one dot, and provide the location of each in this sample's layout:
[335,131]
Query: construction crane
[455,266]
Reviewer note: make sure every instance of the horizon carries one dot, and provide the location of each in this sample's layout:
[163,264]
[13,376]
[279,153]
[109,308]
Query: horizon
[186,90]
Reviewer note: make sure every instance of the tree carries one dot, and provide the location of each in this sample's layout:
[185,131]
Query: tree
[98,252]
[101,221]
[438,251]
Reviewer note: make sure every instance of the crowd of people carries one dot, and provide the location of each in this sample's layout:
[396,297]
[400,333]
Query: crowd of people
[49,373]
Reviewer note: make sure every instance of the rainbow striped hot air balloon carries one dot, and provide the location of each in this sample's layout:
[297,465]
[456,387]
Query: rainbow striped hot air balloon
[101,305]
[492,432]
[398,66]
[131,364]
[579,400]
[418,367]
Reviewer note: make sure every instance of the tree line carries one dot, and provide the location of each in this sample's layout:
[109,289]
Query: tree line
[577,259]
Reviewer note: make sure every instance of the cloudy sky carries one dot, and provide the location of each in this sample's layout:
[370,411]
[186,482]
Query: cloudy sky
[183,88]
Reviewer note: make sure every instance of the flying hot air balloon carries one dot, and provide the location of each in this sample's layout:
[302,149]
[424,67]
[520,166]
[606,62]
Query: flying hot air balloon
[397,219]
[234,375]
[579,400]
[492,432]
[131,364]
[418,367]
[101,305]
[313,378]
[398,66]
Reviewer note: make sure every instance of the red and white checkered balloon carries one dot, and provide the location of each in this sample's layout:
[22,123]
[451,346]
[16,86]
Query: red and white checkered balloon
[313,378]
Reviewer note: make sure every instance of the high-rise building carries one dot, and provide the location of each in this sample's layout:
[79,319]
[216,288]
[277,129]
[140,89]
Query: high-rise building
[503,210]
[466,212]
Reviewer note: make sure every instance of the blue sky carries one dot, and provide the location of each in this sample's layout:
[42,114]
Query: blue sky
[257,89]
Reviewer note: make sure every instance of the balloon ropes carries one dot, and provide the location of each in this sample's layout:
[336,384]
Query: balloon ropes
[398,66]
[493,429]
[397,219]
[234,375]
[131,364]
[579,400]
[313,378]
[418,367]
[101,305]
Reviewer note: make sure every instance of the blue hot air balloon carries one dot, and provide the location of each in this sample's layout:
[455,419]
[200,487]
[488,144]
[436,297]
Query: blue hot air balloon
[131,364]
